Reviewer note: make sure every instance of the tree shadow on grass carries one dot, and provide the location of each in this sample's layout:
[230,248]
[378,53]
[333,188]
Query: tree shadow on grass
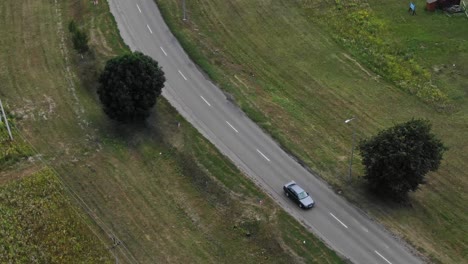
[360,194]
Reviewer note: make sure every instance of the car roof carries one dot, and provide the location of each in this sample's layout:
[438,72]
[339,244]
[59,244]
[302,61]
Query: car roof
[297,188]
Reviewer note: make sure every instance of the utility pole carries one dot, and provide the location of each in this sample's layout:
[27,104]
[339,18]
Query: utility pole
[184,10]
[352,149]
[6,120]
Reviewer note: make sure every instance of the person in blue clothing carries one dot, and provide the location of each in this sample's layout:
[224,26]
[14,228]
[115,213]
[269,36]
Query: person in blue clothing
[412,8]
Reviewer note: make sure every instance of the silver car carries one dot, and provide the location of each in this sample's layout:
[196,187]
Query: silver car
[298,195]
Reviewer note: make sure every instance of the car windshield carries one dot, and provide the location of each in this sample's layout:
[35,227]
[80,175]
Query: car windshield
[302,195]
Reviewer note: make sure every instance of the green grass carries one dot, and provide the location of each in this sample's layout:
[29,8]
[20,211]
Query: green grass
[163,190]
[39,224]
[11,151]
[287,67]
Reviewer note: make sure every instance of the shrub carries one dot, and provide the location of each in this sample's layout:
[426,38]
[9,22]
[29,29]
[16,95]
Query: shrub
[79,38]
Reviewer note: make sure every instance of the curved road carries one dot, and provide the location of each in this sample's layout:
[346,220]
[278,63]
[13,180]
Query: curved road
[338,223]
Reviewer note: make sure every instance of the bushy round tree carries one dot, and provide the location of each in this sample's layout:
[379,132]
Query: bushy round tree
[397,159]
[130,85]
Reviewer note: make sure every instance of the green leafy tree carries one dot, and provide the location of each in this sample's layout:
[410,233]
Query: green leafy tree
[130,85]
[396,160]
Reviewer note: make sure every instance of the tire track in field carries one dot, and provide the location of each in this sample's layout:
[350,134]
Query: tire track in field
[68,74]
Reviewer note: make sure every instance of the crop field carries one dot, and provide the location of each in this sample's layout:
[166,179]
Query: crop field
[300,68]
[40,224]
[160,189]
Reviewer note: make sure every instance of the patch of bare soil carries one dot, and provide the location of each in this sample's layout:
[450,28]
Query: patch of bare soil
[20,171]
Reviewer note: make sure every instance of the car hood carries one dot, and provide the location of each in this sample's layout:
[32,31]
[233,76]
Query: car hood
[307,201]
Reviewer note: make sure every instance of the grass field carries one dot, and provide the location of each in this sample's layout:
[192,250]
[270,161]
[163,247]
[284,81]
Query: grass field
[39,222]
[300,68]
[40,225]
[162,189]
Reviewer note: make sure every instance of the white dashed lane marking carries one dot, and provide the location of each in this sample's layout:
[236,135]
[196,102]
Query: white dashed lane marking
[182,75]
[263,155]
[376,252]
[363,228]
[336,218]
[163,51]
[138,8]
[205,100]
[232,127]
[149,29]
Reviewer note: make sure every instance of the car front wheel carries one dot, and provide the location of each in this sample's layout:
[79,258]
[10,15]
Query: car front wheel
[300,205]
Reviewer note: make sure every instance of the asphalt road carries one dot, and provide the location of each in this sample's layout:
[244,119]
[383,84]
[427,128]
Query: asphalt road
[343,227]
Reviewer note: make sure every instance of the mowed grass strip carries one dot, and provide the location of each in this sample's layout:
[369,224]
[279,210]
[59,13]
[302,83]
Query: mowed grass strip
[280,61]
[166,193]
